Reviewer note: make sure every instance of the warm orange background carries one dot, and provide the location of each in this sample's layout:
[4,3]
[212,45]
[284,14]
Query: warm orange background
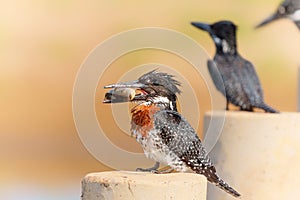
[43,44]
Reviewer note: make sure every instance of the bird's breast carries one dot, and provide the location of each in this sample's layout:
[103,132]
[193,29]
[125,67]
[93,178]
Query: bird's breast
[142,121]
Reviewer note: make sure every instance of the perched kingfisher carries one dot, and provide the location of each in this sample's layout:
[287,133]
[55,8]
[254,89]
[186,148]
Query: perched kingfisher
[233,76]
[165,135]
[287,9]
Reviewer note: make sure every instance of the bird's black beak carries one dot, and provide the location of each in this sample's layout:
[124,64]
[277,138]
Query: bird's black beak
[202,26]
[124,92]
[268,20]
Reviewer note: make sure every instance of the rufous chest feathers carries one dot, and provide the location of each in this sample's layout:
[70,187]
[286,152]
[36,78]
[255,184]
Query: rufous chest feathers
[142,118]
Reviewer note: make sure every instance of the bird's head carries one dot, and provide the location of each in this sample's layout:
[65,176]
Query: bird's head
[223,33]
[287,9]
[152,87]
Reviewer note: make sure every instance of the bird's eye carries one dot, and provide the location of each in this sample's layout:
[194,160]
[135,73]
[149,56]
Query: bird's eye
[156,84]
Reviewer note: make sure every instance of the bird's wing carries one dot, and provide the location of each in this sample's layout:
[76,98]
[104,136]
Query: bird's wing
[179,136]
[251,83]
[234,91]
[216,76]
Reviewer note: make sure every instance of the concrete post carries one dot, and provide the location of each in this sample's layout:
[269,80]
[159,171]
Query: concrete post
[298,91]
[123,185]
[258,154]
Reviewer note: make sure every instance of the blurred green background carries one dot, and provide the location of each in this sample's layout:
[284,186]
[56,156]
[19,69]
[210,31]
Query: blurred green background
[43,44]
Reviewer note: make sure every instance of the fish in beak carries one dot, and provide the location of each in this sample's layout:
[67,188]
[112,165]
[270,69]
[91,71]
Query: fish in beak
[125,92]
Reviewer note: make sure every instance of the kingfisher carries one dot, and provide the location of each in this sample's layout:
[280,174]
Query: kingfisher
[287,9]
[234,76]
[164,134]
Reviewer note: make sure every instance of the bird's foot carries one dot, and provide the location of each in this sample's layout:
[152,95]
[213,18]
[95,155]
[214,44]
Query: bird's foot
[227,106]
[153,169]
[165,170]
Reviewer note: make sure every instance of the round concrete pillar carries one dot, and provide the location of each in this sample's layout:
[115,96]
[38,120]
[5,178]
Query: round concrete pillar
[258,154]
[122,185]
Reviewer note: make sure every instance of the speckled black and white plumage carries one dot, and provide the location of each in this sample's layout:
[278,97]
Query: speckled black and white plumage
[175,143]
[181,139]
[163,133]
[241,83]
[287,9]
[233,76]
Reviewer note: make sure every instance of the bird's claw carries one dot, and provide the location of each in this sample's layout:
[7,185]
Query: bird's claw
[153,169]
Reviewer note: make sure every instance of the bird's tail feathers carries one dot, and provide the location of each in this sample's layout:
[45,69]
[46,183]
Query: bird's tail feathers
[224,186]
[211,175]
[267,108]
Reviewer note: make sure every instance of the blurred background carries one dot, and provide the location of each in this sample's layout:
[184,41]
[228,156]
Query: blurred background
[43,44]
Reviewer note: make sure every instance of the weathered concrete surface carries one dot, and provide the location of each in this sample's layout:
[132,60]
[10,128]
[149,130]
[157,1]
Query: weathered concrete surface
[123,185]
[258,154]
